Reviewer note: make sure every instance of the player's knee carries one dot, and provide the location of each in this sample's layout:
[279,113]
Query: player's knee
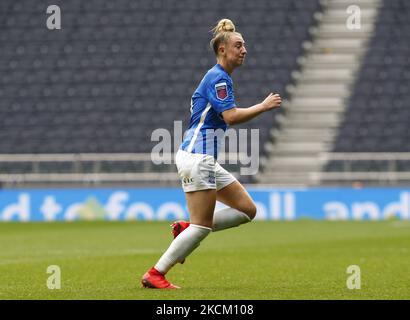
[251,210]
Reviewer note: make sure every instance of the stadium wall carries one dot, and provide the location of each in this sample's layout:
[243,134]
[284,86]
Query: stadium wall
[169,204]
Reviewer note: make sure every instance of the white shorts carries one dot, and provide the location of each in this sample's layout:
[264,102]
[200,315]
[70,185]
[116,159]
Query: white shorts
[201,172]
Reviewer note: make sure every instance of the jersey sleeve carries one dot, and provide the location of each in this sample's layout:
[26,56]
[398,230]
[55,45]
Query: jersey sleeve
[220,95]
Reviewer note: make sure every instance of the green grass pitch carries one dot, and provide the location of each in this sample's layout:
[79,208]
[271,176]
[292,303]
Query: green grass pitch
[260,260]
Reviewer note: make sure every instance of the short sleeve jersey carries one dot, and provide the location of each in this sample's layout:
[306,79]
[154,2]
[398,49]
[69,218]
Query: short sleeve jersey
[213,96]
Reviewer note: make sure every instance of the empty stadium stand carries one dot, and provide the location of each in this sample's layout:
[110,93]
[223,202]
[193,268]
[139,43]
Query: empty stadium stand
[347,119]
[117,70]
[375,133]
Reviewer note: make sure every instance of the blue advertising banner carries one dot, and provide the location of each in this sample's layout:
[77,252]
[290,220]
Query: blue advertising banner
[169,204]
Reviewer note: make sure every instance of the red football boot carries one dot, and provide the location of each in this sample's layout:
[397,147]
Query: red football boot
[177,228]
[153,279]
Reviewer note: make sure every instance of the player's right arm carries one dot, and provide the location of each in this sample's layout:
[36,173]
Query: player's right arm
[239,115]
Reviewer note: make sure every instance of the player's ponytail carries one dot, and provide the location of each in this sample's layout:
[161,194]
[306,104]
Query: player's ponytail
[223,29]
[224,25]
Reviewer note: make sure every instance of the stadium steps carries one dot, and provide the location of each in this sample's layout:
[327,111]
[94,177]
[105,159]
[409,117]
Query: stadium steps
[339,16]
[336,46]
[304,134]
[313,75]
[318,97]
[323,90]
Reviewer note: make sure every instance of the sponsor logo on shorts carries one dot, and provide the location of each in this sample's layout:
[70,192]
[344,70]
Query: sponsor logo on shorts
[187,180]
[211,177]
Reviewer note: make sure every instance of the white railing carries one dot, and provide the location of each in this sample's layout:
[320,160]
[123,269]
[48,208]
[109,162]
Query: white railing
[145,162]
[89,177]
[391,175]
[357,156]
[99,157]
[146,159]
[75,157]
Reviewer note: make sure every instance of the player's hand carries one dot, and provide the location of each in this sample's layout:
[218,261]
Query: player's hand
[272,101]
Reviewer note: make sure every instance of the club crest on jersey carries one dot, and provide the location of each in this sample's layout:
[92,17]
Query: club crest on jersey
[221,90]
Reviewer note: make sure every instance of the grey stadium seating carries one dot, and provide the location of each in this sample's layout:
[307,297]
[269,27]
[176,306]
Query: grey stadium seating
[378,116]
[117,70]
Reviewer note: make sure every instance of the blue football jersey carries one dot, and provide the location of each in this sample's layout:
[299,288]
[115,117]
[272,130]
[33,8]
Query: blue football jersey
[207,127]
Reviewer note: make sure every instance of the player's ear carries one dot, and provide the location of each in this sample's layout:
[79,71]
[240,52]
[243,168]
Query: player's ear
[221,49]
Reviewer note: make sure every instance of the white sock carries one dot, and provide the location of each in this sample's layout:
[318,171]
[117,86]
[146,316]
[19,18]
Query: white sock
[181,247]
[228,218]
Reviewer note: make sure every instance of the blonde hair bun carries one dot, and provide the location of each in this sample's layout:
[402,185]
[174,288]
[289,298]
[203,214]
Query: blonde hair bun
[224,25]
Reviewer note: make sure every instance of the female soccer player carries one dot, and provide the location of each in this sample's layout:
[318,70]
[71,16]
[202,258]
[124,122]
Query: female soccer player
[204,181]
